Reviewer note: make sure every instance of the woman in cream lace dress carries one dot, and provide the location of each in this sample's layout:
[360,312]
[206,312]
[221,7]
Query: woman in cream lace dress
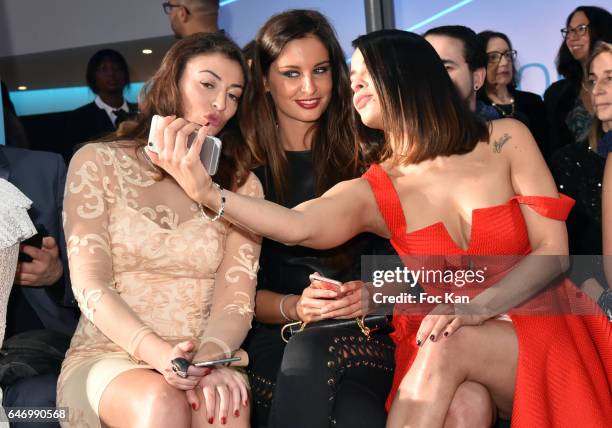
[15,226]
[157,277]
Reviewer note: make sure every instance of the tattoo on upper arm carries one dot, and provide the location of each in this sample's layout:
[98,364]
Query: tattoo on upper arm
[498,144]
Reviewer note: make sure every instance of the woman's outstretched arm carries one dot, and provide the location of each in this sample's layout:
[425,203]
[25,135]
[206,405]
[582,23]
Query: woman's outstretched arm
[328,221]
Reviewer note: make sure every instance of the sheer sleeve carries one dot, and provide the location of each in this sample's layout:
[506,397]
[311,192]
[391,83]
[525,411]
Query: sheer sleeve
[88,197]
[234,296]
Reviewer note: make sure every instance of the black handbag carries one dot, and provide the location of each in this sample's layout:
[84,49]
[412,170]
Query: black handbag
[367,324]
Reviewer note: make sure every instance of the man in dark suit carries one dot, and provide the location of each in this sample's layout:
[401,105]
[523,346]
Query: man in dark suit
[107,76]
[42,313]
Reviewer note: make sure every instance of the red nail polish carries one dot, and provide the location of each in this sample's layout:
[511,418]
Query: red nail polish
[446,334]
[418,342]
[193,406]
[223,420]
[211,420]
[237,413]
[432,338]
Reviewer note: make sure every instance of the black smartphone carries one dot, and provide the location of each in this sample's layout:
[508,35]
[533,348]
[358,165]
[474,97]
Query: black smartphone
[34,241]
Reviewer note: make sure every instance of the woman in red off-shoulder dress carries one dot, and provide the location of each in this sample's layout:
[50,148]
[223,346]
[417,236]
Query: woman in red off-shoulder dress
[449,188]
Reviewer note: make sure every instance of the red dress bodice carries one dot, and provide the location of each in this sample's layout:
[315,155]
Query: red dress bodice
[564,374]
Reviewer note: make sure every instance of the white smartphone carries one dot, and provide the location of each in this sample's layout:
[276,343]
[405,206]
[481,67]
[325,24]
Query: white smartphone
[221,361]
[328,284]
[209,155]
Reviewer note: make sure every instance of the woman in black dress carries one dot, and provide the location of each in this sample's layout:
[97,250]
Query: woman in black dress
[499,90]
[568,102]
[298,114]
[576,165]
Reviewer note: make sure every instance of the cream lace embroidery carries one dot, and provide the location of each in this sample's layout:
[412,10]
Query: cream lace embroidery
[95,205]
[248,264]
[86,299]
[242,304]
[140,257]
[75,242]
[221,344]
[171,218]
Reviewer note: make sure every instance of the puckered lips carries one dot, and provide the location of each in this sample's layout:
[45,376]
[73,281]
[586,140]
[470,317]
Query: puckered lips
[360,101]
[213,119]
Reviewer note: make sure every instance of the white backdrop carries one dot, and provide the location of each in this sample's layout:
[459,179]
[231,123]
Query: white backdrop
[532,26]
[28,26]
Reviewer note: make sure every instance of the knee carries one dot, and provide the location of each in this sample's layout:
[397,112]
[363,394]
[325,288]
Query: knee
[435,356]
[471,407]
[164,405]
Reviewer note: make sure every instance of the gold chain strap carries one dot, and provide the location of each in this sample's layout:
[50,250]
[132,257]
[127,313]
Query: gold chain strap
[364,328]
[360,323]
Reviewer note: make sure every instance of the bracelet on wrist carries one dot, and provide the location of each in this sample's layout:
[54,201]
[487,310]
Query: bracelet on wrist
[282,310]
[221,206]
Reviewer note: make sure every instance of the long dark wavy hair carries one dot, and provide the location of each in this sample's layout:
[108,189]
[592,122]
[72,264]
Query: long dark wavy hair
[335,150]
[161,96]
[600,28]
[423,114]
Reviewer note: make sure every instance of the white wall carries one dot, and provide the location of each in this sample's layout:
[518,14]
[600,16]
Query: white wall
[31,26]
[532,26]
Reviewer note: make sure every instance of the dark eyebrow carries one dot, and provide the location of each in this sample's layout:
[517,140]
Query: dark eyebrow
[211,72]
[233,85]
[316,65]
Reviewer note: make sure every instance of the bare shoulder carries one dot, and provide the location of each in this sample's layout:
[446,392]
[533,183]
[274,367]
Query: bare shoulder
[510,137]
[357,188]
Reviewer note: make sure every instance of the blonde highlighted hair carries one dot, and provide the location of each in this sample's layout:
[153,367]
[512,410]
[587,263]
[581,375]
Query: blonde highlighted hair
[597,126]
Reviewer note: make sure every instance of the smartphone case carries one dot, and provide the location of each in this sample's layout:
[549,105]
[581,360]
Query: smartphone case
[209,155]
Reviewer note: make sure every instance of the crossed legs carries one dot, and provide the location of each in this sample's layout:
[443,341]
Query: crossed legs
[466,376]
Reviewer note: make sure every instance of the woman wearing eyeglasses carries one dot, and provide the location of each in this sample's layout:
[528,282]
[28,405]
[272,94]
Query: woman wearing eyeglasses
[568,103]
[500,90]
[576,167]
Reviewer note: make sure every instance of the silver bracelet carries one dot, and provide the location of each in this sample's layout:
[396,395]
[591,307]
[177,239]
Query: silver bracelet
[280,306]
[221,208]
